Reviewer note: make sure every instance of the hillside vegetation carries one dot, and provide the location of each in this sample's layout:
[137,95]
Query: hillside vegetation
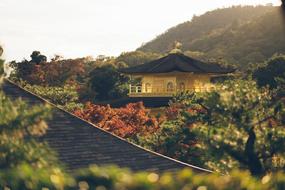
[239,35]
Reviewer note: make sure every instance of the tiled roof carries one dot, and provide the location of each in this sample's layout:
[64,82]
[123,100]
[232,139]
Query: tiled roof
[177,62]
[80,144]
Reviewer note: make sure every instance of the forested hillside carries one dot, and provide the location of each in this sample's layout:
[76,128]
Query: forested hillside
[239,35]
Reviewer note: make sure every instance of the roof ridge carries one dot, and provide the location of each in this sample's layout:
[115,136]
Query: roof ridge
[194,65]
[109,133]
[165,57]
[178,61]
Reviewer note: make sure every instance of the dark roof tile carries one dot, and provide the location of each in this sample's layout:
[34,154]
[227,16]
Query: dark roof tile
[177,62]
[80,144]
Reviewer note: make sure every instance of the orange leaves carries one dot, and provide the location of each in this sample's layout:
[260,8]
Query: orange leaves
[125,122]
[172,112]
[54,73]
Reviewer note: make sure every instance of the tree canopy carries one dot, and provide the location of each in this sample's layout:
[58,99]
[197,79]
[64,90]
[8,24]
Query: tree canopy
[240,35]
[108,83]
[236,125]
[269,74]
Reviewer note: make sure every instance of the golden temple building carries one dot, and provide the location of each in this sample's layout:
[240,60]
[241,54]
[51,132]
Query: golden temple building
[173,74]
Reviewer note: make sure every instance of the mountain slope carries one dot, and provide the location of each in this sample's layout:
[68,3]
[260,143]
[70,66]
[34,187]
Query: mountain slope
[239,35]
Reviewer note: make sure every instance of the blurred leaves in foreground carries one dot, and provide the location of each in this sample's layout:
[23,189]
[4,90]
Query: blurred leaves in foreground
[111,177]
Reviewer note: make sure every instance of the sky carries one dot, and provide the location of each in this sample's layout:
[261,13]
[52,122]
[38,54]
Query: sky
[78,28]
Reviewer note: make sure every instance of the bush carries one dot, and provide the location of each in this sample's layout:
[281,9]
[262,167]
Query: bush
[65,97]
[125,122]
[115,178]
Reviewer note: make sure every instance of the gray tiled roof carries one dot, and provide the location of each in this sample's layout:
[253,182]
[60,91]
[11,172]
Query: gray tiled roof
[79,143]
[177,62]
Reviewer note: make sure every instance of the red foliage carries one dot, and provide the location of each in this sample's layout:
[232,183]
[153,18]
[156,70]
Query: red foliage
[172,112]
[54,73]
[125,122]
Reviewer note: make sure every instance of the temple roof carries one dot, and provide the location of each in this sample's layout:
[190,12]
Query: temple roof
[177,62]
[80,144]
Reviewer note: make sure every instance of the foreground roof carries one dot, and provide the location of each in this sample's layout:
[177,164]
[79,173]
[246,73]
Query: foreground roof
[177,62]
[80,144]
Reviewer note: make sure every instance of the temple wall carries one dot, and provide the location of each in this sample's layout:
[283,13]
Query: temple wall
[159,83]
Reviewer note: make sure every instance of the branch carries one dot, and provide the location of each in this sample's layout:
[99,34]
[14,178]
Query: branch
[236,155]
[264,120]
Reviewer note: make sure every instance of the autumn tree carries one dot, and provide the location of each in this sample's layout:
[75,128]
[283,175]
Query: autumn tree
[59,72]
[127,122]
[38,71]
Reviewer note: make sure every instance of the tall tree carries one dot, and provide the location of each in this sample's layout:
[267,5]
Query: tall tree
[37,57]
[107,82]
[272,75]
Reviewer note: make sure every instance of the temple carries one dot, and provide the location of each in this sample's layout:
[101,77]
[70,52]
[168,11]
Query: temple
[172,74]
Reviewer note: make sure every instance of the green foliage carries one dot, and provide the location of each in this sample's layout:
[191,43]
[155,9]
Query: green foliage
[37,57]
[24,69]
[26,163]
[112,177]
[19,126]
[108,83]
[26,177]
[66,97]
[136,58]
[174,141]
[269,74]
[240,35]
[234,125]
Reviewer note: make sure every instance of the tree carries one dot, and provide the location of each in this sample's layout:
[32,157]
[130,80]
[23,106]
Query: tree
[59,72]
[127,122]
[239,34]
[24,69]
[268,75]
[135,58]
[38,71]
[108,83]
[19,126]
[235,125]
[66,97]
[38,58]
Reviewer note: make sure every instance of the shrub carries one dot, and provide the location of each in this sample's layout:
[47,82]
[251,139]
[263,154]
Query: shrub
[125,122]
[65,97]
[112,177]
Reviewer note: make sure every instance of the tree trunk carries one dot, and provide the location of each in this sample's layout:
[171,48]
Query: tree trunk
[254,163]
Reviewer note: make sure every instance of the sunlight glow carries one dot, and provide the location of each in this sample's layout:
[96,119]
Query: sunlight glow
[76,28]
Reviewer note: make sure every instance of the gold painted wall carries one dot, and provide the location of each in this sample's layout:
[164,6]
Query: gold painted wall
[159,83]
